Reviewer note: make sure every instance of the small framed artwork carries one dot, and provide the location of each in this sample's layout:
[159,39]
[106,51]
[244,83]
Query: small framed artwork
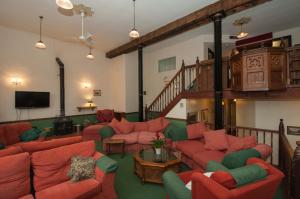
[284,42]
[97,92]
[293,130]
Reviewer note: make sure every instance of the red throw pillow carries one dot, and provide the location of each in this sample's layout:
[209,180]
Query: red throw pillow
[113,124]
[125,127]
[215,140]
[224,178]
[263,165]
[196,130]
[235,144]
[249,142]
[165,123]
[155,125]
[140,126]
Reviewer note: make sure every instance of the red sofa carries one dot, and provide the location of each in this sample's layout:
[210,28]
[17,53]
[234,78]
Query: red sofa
[204,187]
[9,136]
[194,154]
[50,169]
[15,176]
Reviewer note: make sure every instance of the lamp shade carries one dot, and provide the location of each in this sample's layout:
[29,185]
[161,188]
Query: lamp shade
[242,35]
[65,4]
[134,33]
[90,56]
[40,45]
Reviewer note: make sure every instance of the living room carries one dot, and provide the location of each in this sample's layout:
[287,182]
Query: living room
[117,81]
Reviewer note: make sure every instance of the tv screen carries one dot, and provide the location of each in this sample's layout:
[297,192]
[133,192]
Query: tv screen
[29,99]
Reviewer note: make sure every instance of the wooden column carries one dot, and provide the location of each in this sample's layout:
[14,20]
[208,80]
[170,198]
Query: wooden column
[140,73]
[217,18]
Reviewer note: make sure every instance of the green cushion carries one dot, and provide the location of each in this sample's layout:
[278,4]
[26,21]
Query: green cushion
[248,174]
[213,166]
[29,135]
[2,146]
[106,132]
[175,187]
[106,164]
[176,132]
[239,158]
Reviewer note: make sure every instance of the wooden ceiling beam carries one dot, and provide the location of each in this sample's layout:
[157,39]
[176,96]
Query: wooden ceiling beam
[198,18]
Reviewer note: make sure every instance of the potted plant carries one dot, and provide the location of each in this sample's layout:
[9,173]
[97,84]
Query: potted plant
[158,143]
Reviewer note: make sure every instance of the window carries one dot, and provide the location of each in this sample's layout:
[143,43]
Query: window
[167,64]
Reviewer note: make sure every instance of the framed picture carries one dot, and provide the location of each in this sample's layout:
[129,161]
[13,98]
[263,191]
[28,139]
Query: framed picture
[284,42]
[293,130]
[97,92]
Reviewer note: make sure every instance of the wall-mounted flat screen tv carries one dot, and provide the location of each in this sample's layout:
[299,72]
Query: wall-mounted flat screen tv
[30,99]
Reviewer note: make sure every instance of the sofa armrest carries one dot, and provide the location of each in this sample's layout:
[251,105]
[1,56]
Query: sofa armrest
[264,150]
[175,187]
[106,164]
[106,132]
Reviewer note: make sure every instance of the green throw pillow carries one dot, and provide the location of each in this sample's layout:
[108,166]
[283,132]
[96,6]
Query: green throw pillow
[106,132]
[239,158]
[248,174]
[213,166]
[2,146]
[176,132]
[29,135]
[106,164]
[175,187]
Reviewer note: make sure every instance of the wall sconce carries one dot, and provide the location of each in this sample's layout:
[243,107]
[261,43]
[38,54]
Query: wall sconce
[90,102]
[86,85]
[16,81]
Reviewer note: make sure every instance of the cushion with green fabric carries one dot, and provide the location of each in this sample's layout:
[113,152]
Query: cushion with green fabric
[248,174]
[2,146]
[106,132]
[29,135]
[106,164]
[239,158]
[213,166]
[175,187]
[176,132]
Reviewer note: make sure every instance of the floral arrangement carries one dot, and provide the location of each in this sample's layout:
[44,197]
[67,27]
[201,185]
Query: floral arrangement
[158,142]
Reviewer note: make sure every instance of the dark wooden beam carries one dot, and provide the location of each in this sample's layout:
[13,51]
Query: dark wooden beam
[188,22]
[141,89]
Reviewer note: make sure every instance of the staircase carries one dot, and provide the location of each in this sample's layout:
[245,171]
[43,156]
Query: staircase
[192,81]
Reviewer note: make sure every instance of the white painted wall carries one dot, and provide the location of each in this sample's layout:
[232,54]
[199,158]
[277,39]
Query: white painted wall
[294,32]
[39,71]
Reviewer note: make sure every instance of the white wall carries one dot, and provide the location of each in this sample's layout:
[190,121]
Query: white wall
[39,71]
[294,32]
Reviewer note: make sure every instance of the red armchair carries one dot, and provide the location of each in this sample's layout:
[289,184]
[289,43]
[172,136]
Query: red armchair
[50,169]
[15,176]
[105,115]
[204,187]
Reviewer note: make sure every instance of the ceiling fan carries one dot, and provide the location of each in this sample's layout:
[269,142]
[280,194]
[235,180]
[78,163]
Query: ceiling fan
[242,33]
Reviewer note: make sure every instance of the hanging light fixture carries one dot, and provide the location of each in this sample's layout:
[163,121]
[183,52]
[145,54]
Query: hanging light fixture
[40,44]
[242,34]
[65,4]
[134,33]
[90,55]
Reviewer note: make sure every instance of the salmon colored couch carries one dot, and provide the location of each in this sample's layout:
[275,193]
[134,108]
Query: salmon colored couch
[196,156]
[15,176]
[205,188]
[9,136]
[50,179]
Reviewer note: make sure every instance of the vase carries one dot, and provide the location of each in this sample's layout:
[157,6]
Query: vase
[157,151]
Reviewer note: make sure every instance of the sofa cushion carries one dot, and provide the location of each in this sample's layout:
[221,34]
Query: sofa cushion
[190,147]
[196,130]
[92,132]
[14,130]
[264,150]
[224,178]
[15,175]
[155,125]
[140,126]
[249,142]
[29,135]
[125,127]
[213,166]
[114,124]
[204,157]
[70,190]
[239,158]
[130,138]
[50,167]
[176,132]
[146,137]
[10,150]
[215,140]
[29,196]
[234,144]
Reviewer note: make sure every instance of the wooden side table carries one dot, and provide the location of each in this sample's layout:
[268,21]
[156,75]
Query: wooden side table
[110,142]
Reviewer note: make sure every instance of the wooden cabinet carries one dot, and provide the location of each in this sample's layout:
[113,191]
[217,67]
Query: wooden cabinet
[294,66]
[259,69]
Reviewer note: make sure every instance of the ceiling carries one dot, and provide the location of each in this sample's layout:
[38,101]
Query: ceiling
[112,20]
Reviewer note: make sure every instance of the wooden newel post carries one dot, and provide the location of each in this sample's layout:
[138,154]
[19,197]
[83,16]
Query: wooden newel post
[146,112]
[197,73]
[281,153]
[182,77]
[296,171]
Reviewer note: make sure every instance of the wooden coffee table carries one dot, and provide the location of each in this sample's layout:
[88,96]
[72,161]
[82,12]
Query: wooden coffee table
[110,142]
[150,167]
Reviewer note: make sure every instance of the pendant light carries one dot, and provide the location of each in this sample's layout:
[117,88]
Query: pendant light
[134,33]
[242,34]
[40,44]
[90,55]
[65,4]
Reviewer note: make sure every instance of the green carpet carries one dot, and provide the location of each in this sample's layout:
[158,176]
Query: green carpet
[129,186]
